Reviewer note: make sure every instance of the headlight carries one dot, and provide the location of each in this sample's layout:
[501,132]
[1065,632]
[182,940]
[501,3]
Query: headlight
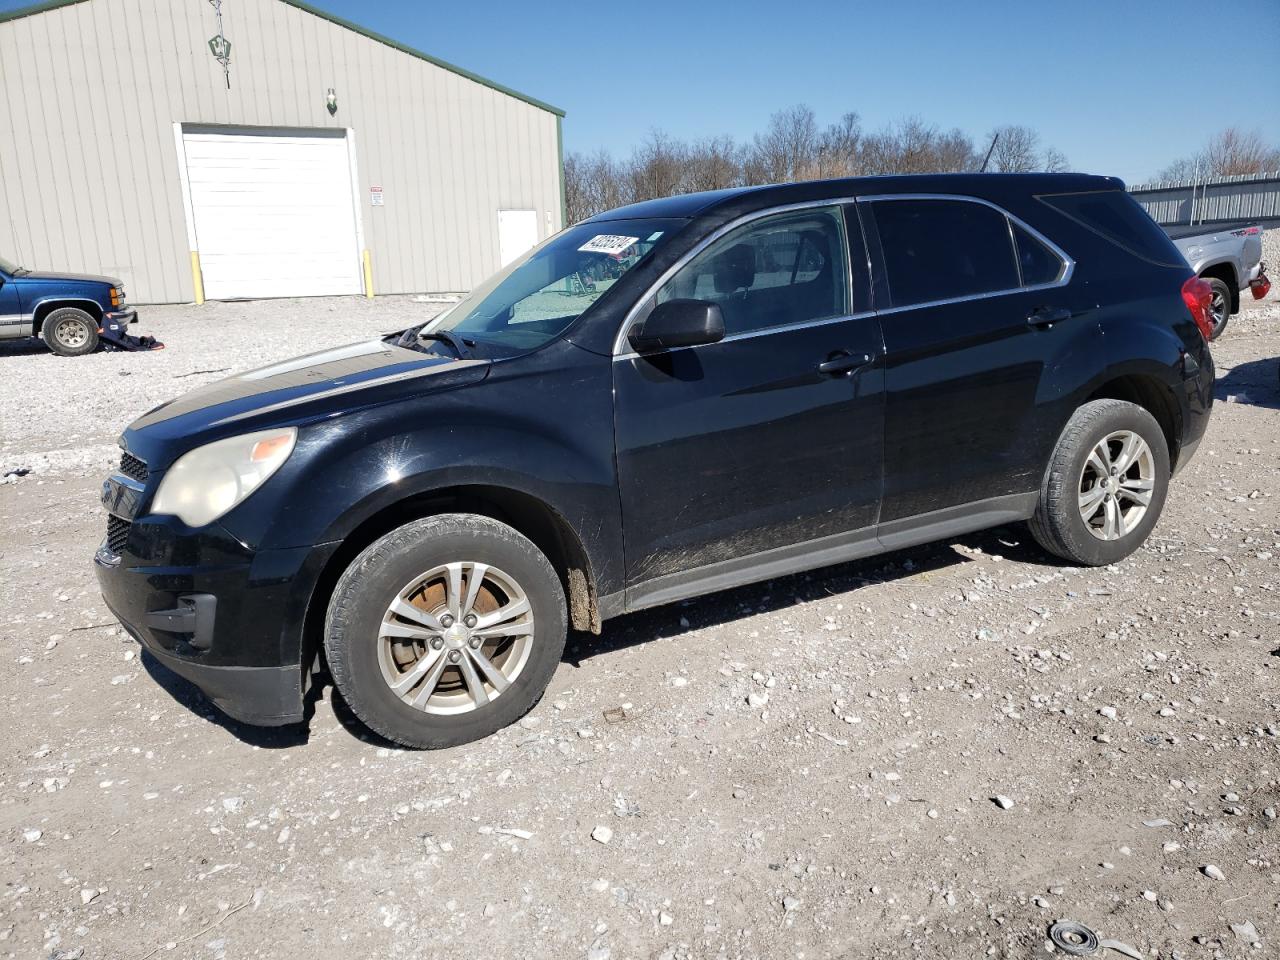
[208,481]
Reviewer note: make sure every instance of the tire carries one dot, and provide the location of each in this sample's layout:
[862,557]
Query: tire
[412,567]
[1073,481]
[1219,307]
[70,332]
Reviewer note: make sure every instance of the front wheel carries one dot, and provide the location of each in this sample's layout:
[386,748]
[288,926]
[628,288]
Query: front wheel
[445,630]
[1105,485]
[1219,307]
[70,332]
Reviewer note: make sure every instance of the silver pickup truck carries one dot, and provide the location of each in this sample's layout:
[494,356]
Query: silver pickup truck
[1231,260]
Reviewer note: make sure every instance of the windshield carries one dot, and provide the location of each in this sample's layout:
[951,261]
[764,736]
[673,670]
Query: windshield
[538,296]
[9,268]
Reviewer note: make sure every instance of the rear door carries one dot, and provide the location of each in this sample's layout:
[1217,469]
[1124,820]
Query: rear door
[746,446]
[975,309]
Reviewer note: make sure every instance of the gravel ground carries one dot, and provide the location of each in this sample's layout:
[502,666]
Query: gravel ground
[934,754]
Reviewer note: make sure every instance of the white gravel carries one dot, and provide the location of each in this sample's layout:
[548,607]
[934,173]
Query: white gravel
[852,816]
[62,415]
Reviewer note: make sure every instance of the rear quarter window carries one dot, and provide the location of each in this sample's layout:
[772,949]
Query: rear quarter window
[1115,215]
[937,250]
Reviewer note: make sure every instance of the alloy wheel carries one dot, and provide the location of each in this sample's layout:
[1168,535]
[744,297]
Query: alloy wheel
[1218,309]
[455,638]
[1116,485]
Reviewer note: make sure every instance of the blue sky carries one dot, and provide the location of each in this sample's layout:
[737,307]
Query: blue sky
[1120,88]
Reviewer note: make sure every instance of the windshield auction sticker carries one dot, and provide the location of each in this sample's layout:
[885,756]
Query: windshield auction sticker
[607,243]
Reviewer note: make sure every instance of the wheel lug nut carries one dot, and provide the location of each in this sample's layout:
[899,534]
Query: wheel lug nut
[446,621]
[453,656]
[436,643]
[475,643]
[471,620]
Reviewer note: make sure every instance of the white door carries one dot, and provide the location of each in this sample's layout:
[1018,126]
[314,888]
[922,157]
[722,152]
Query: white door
[274,213]
[517,232]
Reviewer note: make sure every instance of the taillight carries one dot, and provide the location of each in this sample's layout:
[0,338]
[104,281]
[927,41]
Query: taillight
[1197,295]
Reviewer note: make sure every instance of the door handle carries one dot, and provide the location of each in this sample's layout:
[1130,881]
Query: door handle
[1048,316]
[843,364]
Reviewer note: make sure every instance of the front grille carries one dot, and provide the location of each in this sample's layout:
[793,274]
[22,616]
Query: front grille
[132,467]
[117,534]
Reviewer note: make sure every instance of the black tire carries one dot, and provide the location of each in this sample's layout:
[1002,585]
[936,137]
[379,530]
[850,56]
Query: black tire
[1057,524]
[1220,308]
[375,578]
[70,332]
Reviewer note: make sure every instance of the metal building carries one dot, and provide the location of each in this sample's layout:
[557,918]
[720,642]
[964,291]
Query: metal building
[1213,201]
[260,148]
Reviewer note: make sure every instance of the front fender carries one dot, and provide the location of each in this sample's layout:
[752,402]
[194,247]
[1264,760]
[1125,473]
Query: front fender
[554,444]
[51,302]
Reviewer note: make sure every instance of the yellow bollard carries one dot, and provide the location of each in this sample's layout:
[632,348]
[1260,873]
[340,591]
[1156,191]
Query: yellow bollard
[197,278]
[368,275]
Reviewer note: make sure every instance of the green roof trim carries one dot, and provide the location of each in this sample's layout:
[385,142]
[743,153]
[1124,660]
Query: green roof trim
[36,8]
[315,11]
[453,68]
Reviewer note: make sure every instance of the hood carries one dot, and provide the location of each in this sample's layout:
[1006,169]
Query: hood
[317,385]
[76,277]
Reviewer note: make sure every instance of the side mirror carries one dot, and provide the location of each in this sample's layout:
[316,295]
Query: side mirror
[678,323]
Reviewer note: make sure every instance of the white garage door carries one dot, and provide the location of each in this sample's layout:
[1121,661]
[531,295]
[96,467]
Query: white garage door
[274,213]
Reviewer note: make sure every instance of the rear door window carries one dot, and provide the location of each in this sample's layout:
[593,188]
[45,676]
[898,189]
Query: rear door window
[1118,217]
[944,249]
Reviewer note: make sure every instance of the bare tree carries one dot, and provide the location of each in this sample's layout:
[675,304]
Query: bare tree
[592,184]
[1229,153]
[786,149]
[916,147]
[791,147]
[838,149]
[657,167]
[1017,150]
[1054,161]
[713,163]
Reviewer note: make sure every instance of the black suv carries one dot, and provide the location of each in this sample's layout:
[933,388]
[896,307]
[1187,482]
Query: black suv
[669,399]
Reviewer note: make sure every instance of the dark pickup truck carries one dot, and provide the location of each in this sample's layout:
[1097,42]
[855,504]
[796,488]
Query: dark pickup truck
[73,313]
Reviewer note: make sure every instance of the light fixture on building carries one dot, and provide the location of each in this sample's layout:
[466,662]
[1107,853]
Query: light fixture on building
[331,102]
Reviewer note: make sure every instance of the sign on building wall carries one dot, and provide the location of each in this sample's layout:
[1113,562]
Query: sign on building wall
[375,196]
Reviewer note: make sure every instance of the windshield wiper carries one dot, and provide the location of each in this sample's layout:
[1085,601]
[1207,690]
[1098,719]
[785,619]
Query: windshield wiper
[459,345]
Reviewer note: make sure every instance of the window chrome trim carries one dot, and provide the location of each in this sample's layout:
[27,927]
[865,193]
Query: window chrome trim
[621,349]
[622,352]
[1064,276]
[750,334]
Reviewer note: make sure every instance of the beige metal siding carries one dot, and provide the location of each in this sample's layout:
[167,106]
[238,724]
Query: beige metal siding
[89,176]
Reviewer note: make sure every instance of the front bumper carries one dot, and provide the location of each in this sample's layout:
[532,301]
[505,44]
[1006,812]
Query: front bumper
[117,320]
[211,609]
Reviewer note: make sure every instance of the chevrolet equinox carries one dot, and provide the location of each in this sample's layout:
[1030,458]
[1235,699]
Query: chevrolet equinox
[668,399]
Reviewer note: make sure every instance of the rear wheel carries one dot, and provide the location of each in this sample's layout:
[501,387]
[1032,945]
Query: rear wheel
[1219,307]
[445,630]
[70,332]
[1105,485]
